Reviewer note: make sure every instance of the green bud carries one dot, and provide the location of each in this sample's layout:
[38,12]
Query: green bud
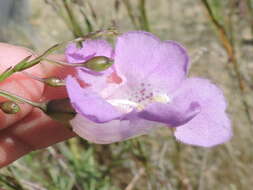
[10,107]
[99,63]
[54,82]
[60,110]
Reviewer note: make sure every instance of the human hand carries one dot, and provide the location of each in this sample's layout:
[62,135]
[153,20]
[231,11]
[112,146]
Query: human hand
[29,129]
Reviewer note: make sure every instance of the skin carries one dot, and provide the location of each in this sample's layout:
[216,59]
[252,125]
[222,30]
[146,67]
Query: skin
[29,129]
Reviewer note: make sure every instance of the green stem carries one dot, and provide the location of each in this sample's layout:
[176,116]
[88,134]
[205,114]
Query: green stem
[201,183]
[87,21]
[76,27]
[61,63]
[229,47]
[10,182]
[16,98]
[50,81]
[250,8]
[130,13]
[57,7]
[25,64]
[97,63]
[143,16]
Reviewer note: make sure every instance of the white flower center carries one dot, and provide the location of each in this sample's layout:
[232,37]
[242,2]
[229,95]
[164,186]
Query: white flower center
[162,98]
[138,98]
[126,105]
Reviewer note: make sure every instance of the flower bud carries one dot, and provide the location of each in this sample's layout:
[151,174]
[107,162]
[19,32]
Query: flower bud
[99,63]
[54,82]
[60,110]
[9,107]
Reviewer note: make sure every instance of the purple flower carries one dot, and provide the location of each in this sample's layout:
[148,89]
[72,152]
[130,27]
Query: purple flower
[90,48]
[146,88]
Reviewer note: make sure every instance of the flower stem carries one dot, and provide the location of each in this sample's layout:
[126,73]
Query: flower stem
[17,98]
[229,47]
[130,13]
[97,63]
[25,63]
[250,9]
[50,81]
[143,16]
[201,184]
[77,31]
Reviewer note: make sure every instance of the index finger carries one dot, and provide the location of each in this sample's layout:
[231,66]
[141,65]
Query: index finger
[18,83]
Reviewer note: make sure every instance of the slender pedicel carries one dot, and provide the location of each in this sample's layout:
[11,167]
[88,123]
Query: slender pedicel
[98,63]
[59,109]
[50,81]
[16,98]
[26,63]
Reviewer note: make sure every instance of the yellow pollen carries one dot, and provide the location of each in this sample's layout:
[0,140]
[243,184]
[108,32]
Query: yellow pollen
[125,105]
[162,98]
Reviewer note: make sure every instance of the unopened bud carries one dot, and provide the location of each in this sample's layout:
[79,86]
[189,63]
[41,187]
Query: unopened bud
[60,110]
[54,82]
[10,107]
[50,81]
[99,63]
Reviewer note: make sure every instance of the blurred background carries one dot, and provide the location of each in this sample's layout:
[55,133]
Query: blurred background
[218,35]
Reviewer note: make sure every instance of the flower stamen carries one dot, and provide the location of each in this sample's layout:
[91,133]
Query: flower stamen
[162,98]
[125,105]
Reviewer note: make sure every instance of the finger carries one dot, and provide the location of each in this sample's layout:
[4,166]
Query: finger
[35,131]
[18,83]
